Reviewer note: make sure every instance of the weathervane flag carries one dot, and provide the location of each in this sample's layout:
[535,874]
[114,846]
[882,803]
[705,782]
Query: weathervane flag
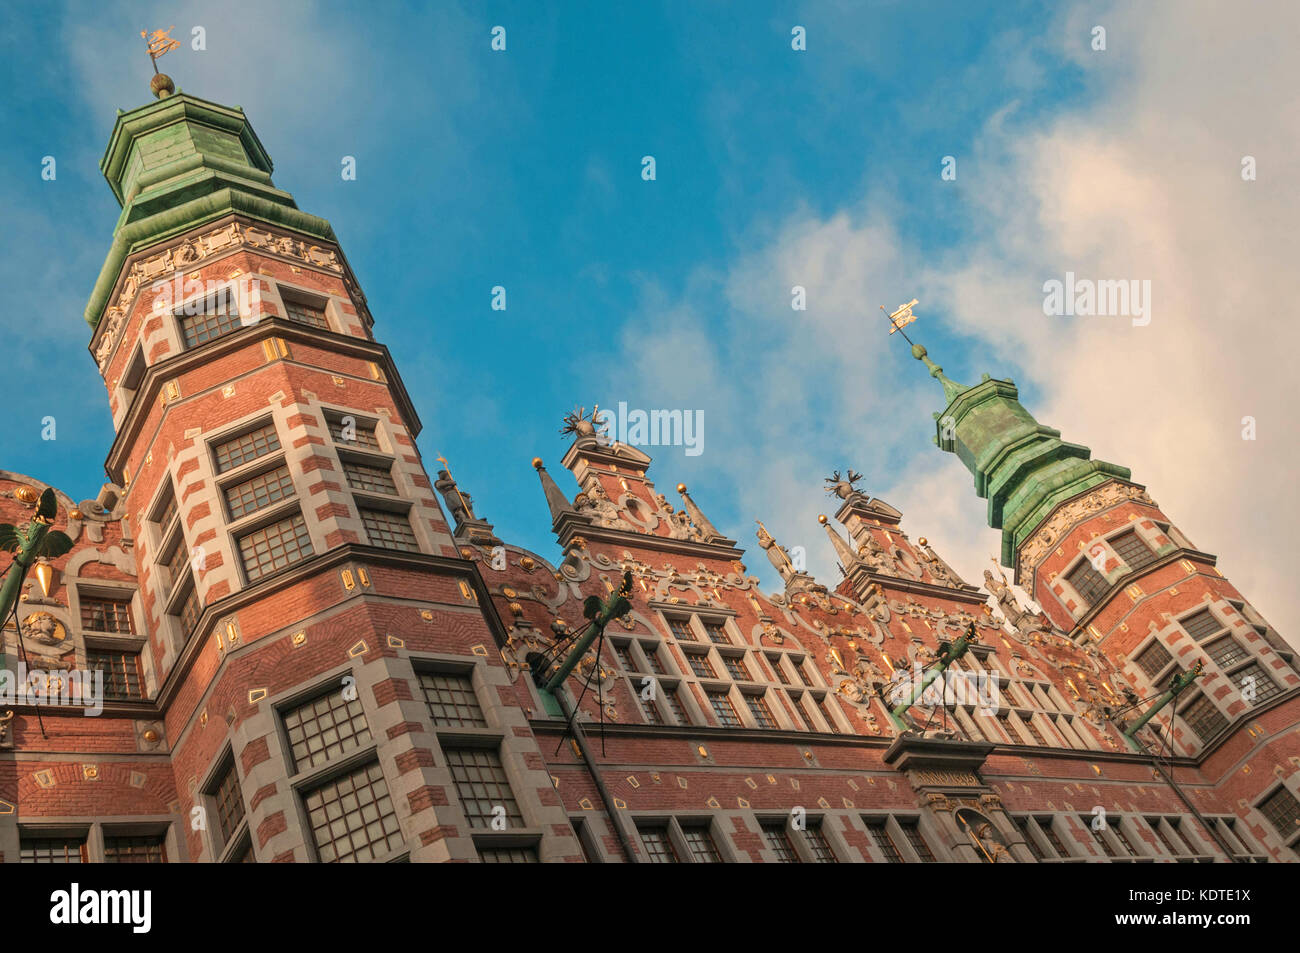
[902,317]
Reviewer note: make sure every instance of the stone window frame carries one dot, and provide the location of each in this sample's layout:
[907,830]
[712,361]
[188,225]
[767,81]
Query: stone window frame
[889,822]
[1230,830]
[799,840]
[1289,842]
[492,736]
[308,297]
[1193,738]
[675,824]
[233,847]
[308,779]
[165,830]
[35,830]
[281,511]
[1172,837]
[128,384]
[165,539]
[224,291]
[1116,848]
[1042,828]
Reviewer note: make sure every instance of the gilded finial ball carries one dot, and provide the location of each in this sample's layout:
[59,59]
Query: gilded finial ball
[822,519]
[162,85]
[923,541]
[681,487]
[537,463]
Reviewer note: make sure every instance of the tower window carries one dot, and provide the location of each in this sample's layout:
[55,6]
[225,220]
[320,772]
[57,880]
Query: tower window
[1204,718]
[306,314]
[274,547]
[1087,582]
[1132,549]
[373,479]
[122,674]
[190,610]
[348,430]
[246,447]
[389,530]
[1282,810]
[103,614]
[219,316]
[258,492]
[1253,680]
[1202,625]
[482,786]
[1153,660]
[1226,652]
[324,728]
[352,817]
[229,801]
[451,699]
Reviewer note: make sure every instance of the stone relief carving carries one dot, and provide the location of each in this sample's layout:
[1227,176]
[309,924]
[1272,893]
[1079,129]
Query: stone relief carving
[1064,519]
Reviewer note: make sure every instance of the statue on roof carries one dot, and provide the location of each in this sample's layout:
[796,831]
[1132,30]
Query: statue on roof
[843,488]
[777,553]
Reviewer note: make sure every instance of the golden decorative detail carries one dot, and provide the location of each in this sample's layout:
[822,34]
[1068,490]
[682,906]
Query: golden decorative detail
[537,463]
[45,576]
[43,628]
[527,563]
[150,735]
[516,608]
[299,638]
[508,592]
[363,576]
[357,649]
[348,582]
[26,495]
[426,615]
[90,772]
[255,695]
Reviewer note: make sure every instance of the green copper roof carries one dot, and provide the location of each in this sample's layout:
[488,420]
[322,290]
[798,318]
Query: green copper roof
[1021,467]
[178,163]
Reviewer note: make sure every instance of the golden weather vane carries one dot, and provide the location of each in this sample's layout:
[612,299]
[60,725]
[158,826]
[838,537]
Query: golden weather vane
[901,318]
[159,43]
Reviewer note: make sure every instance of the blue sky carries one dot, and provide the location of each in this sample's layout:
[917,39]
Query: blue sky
[523,169]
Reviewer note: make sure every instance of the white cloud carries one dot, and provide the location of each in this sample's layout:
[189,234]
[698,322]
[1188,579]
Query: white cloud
[1143,182]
